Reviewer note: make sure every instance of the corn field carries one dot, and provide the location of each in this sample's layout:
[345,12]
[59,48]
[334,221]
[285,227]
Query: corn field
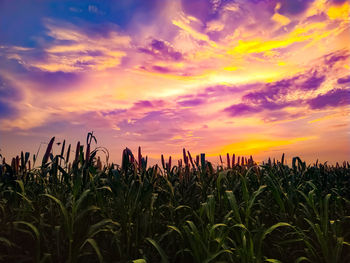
[74,207]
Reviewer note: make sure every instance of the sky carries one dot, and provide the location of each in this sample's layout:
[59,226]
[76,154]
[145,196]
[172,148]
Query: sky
[248,77]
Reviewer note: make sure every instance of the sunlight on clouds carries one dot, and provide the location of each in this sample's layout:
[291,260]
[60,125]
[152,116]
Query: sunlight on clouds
[339,12]
[231,68]
[300,34]
[326,117]
[281,19]
[182,24]
[83,52]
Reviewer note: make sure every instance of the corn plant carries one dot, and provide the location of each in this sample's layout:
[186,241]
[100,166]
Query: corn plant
[76,206]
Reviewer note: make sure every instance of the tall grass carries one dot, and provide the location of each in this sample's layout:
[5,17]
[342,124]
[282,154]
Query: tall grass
[83,211]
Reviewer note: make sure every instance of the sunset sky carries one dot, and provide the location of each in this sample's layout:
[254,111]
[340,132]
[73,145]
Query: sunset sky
[214,76]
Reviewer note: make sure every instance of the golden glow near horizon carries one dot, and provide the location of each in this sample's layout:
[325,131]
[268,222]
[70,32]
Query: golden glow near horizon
[213,76]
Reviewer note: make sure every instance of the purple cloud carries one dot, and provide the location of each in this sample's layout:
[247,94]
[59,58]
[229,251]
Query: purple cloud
[214,93]
[53,81]
[335,57]
[43,80]
[333,98]
[161,69]
[313,82]
[158,45]
[272,96]
[191,102]
[148,104]
[161,50]
[144,104]
[271,92]
[201,9]
[241,109]
[269,105]
[113,112]
[344,80]
[219,90]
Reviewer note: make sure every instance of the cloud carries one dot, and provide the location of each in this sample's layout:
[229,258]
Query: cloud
[95,10]
[344,80]
[159,126]
[333,98]
[271,92]
[161,50]
[241,109]
[293,92]
[161,69]
[312,83]
[53,81]
[148,104]
[201,9]
[335,57]
[191,102]
[114,112]
[74,49]
[215,93]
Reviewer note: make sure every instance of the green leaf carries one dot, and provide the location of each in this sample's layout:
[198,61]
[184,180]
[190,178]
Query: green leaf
[174,228]
[6,241]
[159,249]
[31,226]
[94,245]
[272,260]
[301,259]
[64,213]
[272,228]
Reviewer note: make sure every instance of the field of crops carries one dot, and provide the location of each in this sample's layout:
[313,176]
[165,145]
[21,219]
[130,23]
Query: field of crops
[73,207]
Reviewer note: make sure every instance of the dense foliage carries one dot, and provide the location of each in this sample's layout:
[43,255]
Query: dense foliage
[237,212]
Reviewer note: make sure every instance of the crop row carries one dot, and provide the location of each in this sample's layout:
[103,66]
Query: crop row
[239,211]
